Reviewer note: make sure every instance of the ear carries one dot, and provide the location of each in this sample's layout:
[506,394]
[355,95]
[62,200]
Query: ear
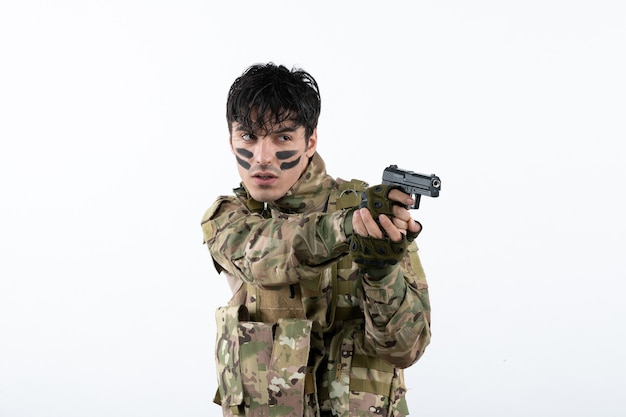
[312,146]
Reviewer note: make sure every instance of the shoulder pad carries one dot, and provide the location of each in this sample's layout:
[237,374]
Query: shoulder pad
[207,226]
[210,213]
[353,184]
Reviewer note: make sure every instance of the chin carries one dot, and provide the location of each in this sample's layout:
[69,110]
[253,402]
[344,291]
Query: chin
[263,197]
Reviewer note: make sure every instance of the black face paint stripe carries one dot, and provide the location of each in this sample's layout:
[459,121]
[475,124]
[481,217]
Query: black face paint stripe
[288,165]
[244,152]
[282,155]
[243,163]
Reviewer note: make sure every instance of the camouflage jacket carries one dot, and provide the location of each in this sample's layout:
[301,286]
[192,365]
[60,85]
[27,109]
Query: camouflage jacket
[308,333]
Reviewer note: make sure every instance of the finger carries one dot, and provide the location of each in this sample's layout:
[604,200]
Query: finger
[392,231]
[357,224]
[414,226]
[400,197]
[402,225]
[401,213]
[371,226]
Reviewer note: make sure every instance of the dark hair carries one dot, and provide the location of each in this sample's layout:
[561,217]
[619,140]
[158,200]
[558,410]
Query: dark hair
[268,94]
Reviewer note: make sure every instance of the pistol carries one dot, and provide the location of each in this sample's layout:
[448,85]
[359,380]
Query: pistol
[412,183]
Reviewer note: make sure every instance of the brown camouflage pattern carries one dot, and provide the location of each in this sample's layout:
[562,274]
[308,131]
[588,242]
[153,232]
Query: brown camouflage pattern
[342,353]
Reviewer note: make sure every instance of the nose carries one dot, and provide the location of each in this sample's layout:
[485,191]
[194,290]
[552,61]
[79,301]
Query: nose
[264,151]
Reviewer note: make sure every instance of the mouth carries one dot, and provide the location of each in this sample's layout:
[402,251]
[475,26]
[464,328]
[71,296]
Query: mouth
[264,176]
[264,179]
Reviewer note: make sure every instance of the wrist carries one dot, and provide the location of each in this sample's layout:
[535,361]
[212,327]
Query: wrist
[378,274]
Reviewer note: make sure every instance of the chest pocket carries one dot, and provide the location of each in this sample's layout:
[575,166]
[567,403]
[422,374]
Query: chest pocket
[261,366]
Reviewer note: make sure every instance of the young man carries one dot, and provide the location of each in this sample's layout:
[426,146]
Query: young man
[330,302]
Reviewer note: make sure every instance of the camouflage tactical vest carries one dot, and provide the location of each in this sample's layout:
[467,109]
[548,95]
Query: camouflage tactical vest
[299,351]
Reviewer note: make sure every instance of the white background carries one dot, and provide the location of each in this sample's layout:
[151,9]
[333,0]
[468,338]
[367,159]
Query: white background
[114,142]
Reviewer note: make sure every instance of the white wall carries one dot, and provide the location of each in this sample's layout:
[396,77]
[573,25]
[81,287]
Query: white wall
[114,142]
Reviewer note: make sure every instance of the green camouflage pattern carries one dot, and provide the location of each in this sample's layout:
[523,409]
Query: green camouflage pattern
[288,366]
[360,384]
[247,242]
[365,325]
[261,367]
[227,354]
[256,342]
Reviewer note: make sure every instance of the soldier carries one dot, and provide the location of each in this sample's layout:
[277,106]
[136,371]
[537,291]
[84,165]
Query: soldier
[330,302]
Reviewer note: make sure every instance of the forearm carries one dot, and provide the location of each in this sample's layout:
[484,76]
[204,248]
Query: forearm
[275,252]
[397,314]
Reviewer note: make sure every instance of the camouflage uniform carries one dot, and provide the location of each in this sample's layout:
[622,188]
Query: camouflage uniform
[307,333]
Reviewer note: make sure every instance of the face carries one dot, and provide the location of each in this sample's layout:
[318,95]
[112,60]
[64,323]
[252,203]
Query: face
[270,162]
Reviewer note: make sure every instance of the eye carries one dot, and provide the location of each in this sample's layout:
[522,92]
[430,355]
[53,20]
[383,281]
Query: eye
[283,138]
[247,137]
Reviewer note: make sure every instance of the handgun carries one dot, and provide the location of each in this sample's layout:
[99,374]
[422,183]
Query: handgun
[412,183]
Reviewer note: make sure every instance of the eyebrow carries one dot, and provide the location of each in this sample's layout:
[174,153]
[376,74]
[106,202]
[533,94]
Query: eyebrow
[284,129]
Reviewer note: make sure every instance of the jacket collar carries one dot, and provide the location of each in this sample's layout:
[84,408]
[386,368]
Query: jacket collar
[310,193]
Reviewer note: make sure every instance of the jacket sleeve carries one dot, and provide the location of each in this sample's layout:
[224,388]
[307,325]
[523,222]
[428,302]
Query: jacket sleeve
[275,251]
[397,310]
